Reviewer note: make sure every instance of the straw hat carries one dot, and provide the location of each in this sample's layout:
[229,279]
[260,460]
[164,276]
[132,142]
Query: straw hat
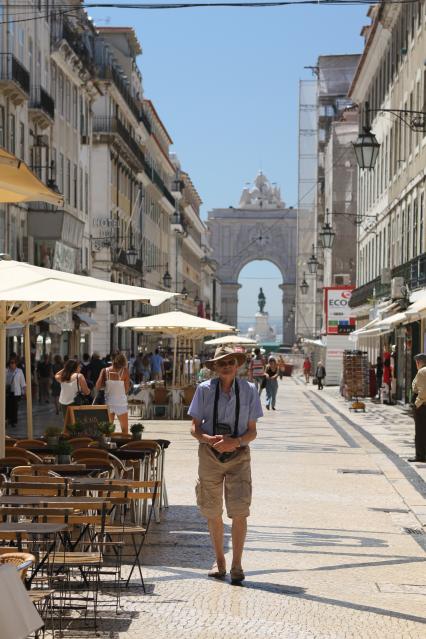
[225,351]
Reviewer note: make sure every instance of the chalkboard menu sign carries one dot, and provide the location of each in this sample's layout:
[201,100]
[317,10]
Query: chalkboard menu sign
[88,415]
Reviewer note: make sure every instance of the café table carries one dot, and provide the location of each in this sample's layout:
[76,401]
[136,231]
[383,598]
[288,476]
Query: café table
[34,530]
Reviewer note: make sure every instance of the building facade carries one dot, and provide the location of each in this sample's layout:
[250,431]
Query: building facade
[72,106]
[391,260]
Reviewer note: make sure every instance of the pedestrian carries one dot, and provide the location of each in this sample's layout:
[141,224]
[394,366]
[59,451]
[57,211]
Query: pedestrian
[271,377]
[257,369]
[157,368]
[387,376]
[419,389]
[44,378]
[379,373]
[72,381]
[281,366]
[56,386]
[307,367]
[85,366]
[224,411]
[146,368]
[15,389]
[320,374]
[115,379]
[95,367]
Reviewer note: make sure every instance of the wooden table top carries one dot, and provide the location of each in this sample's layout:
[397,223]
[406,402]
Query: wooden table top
[31,527]
[35,500]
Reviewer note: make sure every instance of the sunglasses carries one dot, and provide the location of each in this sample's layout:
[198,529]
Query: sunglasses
[227,362]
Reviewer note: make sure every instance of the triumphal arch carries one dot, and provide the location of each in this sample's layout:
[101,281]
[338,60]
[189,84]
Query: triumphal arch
[261,227]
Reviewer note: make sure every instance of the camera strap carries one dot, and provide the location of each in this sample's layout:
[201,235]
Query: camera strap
[237,408]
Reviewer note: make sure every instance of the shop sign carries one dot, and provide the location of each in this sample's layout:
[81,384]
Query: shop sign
[64,258]
[339,317]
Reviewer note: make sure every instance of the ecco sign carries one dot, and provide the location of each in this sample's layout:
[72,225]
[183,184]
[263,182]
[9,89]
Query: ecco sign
[338,318]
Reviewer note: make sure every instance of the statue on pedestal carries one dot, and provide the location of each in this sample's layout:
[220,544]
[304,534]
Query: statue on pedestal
[261,300]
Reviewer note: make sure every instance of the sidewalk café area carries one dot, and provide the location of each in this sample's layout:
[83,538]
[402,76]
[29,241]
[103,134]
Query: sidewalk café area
[74,528]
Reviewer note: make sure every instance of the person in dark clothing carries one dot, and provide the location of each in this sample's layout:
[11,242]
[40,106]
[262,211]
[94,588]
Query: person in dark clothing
[44,378]
[379,373]
[94,368]
[320,374]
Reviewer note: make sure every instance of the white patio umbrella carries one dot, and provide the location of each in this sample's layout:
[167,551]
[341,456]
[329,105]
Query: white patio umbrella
[234,340]
[30,293]
[176,324]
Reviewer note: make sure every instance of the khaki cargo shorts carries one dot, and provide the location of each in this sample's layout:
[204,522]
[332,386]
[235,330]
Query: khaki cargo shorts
[213,476]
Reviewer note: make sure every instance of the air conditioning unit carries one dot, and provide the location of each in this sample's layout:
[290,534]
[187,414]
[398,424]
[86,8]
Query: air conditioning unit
[342,279]
[397,288]
[385,277]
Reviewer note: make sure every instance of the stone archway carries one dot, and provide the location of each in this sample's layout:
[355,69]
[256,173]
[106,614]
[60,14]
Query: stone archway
[260,228]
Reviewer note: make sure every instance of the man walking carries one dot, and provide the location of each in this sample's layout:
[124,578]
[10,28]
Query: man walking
[224,411]
[419,388]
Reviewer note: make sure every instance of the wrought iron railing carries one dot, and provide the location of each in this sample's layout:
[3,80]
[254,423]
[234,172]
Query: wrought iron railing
[107,124]
[40,99]
[413,272]
[110,73]
[12,69]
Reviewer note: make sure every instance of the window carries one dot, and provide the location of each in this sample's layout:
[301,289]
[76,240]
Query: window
[12,133]
[408,233]
[2,132]
[415,228]
[421,223]
[30,55]
[68,183]
[86,193]
[21,45]
[61,172]
[53,81]
[67,100]
[22,141]
[74,198]
[11,35]
[80,203]
[61,92]
[74,107]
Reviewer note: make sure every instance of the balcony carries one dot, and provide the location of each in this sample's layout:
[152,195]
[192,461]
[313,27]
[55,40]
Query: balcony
[147,124]
[413,272]
[41,107]
[60,31]
[14,79]
[111,73]
[111,126]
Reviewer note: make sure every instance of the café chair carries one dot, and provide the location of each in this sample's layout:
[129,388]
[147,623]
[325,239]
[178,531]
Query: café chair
[11,451]
[29,443]
[81,442]
[161,400]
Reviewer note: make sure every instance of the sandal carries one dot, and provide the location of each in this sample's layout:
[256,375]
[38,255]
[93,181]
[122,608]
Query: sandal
[216,573]
[237,576]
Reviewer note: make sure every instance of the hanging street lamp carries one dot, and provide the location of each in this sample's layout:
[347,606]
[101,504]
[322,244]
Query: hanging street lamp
[327,234]
[313,262]
[304,285]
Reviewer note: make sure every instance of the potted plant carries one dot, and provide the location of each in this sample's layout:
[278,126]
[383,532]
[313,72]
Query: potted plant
[106,429]
[52,434]
[137,430]
[63,452]
[76,429]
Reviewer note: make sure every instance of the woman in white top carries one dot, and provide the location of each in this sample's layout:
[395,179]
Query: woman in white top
[71,381]
[116,381]
[15,388]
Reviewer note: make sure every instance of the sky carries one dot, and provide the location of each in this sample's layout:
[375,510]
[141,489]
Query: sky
[225,83]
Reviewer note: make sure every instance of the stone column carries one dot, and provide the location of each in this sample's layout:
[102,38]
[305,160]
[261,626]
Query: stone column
[289,300]
[229,302]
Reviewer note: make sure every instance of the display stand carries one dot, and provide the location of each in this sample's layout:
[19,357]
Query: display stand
[356,378]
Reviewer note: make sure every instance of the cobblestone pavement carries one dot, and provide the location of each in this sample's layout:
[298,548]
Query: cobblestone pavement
[335,548]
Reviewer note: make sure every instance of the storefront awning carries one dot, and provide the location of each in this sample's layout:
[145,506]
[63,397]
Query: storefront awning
[380,327]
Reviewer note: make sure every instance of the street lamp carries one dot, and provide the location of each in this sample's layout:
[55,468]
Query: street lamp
[167,278]
[132,256]
[327,234]
[313,262]
[304,285]
[366,147]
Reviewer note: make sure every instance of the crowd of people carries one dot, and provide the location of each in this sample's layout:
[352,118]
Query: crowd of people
[59,380]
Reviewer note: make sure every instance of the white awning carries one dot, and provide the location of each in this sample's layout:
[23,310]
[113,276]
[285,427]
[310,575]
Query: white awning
[417,310]
[85,318]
